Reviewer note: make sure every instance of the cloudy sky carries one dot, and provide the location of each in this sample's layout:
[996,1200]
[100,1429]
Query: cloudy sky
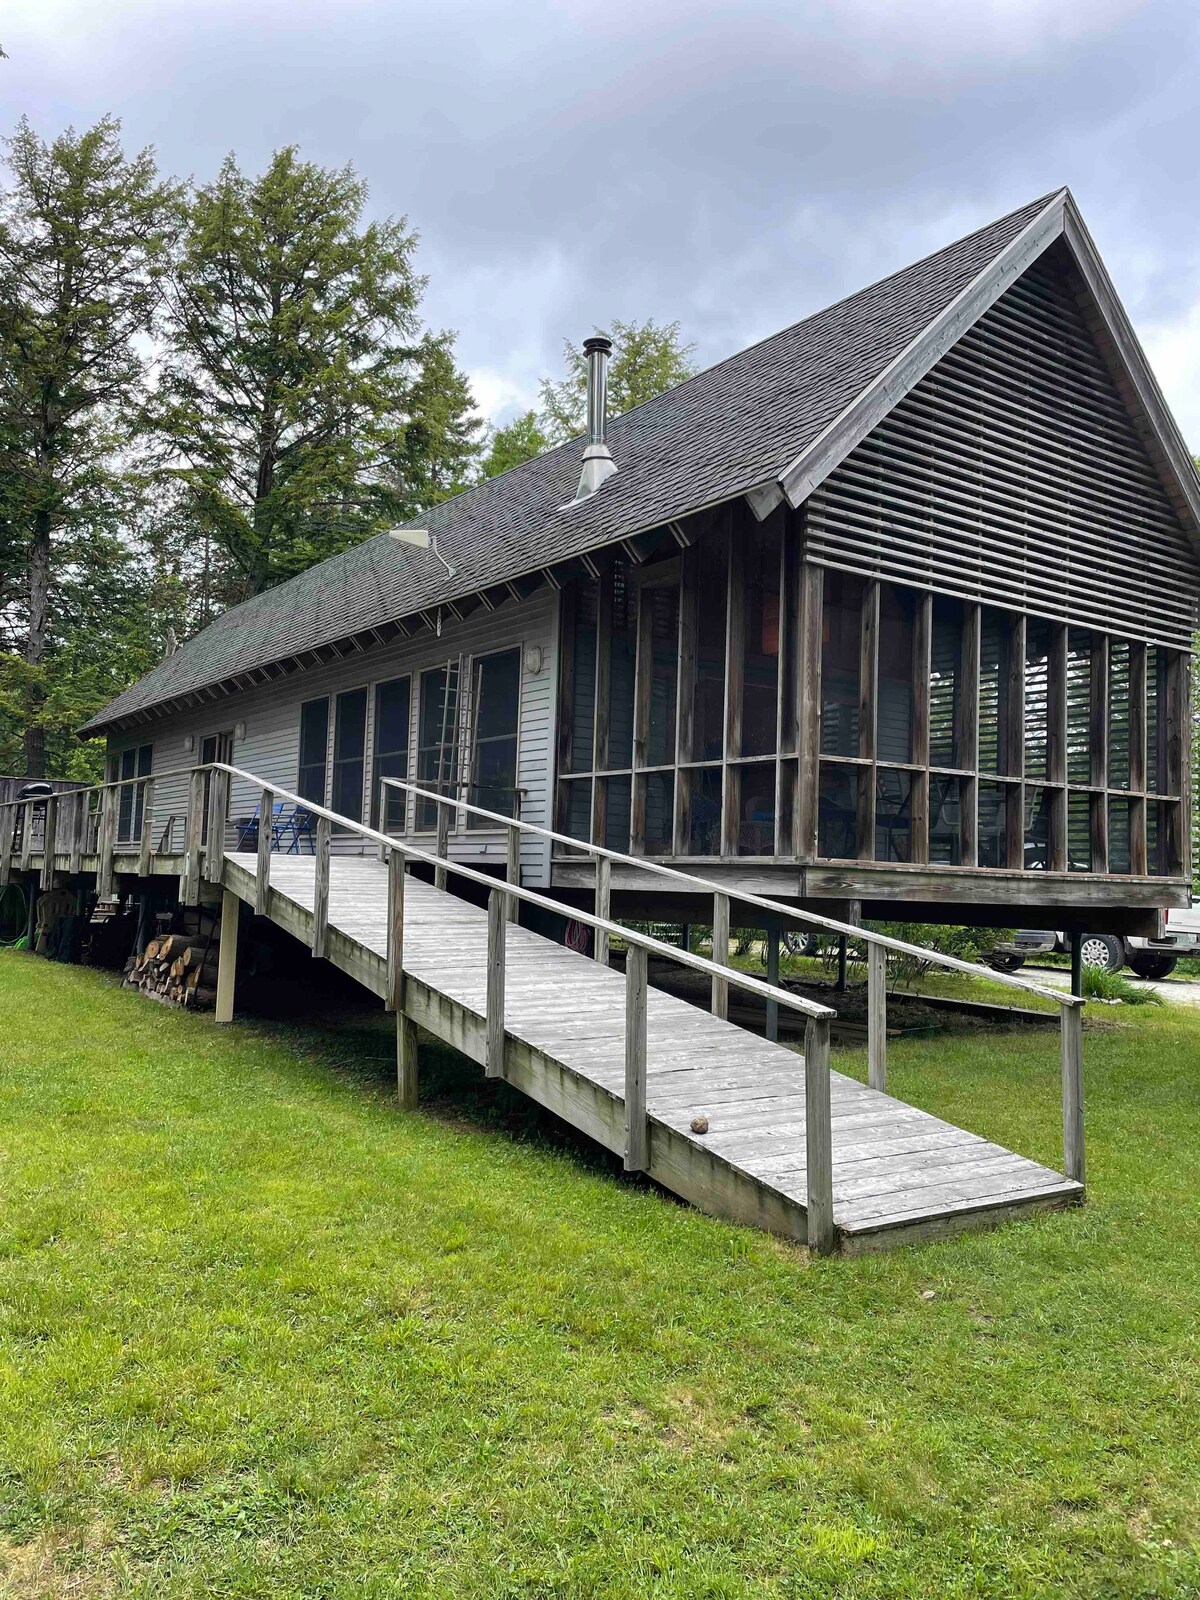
[734,165]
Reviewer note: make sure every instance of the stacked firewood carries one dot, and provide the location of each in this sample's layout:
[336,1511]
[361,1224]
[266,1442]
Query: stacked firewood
[177,971]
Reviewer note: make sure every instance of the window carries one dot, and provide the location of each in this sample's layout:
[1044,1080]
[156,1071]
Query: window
[134,763]
[390,750]
[349,753]
[841,653]
[314,747]
[437,739]
[760,642]
[494,748]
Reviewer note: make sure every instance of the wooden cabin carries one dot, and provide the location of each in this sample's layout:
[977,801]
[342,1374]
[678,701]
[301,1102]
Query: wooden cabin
[888,615]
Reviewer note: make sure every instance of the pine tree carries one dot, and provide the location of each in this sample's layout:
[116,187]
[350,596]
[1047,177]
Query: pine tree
[647,359]
[521,440]
[84,242]
[303,406]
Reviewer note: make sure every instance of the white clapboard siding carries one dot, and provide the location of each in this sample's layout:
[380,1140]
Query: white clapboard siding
[271,714]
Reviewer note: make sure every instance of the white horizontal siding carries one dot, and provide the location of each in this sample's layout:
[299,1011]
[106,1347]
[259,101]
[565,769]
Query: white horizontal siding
[271,713]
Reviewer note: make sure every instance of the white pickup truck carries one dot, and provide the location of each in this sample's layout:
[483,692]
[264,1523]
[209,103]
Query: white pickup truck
[1149,958]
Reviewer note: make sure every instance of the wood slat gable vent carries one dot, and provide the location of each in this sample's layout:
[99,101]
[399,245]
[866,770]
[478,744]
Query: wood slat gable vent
[1013,473]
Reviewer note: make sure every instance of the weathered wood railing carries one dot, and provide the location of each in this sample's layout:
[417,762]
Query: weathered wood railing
[878,946]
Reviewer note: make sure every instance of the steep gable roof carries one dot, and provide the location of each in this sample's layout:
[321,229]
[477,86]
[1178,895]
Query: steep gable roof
[767,422]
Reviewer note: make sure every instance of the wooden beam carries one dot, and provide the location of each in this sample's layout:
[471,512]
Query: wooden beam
[720,954]
[8,824]
[49,828]
[1074,1165]
[922,666]
[637,1126]
[818,1137]
[320,924]
[877,1017]
[266,829]
[494,1015]
[808,700]
[407,1062]
[603,907]
[394,999]
[227,955]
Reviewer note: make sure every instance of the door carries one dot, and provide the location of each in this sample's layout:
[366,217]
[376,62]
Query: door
[214,747]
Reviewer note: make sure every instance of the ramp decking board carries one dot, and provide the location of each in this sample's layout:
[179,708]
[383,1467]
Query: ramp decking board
[899,1174]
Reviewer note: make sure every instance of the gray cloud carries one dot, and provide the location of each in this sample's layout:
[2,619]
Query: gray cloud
[731,165]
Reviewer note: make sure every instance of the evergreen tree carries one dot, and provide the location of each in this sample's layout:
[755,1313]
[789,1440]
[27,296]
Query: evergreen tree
[84,241]
[521,440]
[303,407]
[647,359]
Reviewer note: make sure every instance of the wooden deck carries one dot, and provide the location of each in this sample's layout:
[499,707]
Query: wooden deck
[899,1174]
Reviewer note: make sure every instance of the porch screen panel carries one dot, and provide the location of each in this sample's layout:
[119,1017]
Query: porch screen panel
[349,753]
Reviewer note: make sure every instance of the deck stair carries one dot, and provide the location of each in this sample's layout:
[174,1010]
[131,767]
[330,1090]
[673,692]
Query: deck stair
[789,1145]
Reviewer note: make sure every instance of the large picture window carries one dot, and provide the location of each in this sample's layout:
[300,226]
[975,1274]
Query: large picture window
[314,750]
[497,697]
[389,755]
[349,753]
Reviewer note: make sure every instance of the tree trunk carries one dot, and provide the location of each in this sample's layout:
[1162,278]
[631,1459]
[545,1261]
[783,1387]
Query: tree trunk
[35,644]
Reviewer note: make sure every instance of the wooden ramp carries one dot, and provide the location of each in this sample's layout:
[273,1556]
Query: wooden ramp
[899,1174]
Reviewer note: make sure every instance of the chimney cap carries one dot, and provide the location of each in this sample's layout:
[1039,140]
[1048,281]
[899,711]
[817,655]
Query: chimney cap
[599,342]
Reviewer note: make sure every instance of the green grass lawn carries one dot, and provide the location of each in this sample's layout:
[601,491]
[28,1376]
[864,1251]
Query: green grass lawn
[262,1334]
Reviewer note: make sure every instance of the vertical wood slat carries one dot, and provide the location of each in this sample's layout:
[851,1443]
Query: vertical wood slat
[637,1126]
[600,728]
[8,823]
[227,955]
[720,954]
[107,844]
[603,907]
[27,835]
[49,826]
[877,1017]
[494,1014]
[262,874]
[218,811]
[320,927]
[1014,745]
[442,846]
[1137,757]
[394,999]
[146,836]
[1074,1165]
[868,718]
[192,834]
[922,666]
[79,817]
[512,871]
[818,1136]
[1098,750]
[812,595]
[735,666]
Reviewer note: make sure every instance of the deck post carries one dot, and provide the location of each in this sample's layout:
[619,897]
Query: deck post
[1077,965]
[637,1126]
[8,820]
[192,834]
[394,999]
[773,980]
[49,828]
[406,1061]
[603,906]
[497,923]
[1072,1091]
[840,985]
[443,843]
[107,844]
[262,870]
[513,871]
[231,908]
[218,810]
[146,836]
[877,1017]
[818,1136]
[320,927]
[79,817]
[720,954]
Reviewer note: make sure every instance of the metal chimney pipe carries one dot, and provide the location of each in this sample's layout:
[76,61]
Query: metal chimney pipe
[598,463]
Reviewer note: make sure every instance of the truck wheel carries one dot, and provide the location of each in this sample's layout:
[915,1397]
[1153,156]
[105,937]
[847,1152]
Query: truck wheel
[1103,950]
[1151,963]
[1006,961]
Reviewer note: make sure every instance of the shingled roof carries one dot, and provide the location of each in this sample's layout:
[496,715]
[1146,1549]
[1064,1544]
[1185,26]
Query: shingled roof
[737,427]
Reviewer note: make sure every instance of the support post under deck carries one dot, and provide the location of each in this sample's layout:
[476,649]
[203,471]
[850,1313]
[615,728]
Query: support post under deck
[227,956]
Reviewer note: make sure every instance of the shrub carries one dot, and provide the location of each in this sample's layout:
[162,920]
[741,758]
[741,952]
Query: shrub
[1101,985]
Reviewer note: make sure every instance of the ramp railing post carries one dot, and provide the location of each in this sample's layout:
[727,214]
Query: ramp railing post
[193,833]
[603,907]
[406,1028]
[513,871]
[320,927]
[1072,1091]
[27,836]
[442,849]
[49,827]
[81,799]
[772,937]
[218,810]
[818,1135]
[637,1126]
[262,866]
[107,843]
[497,926]
[8,821]
[720,949]
[877,1016]
[146,834]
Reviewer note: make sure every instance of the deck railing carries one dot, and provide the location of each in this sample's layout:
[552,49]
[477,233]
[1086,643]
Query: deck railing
[91,817]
